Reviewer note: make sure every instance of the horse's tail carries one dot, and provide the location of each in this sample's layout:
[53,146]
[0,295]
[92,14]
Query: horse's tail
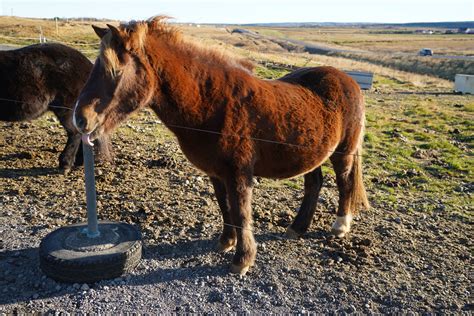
[358,194]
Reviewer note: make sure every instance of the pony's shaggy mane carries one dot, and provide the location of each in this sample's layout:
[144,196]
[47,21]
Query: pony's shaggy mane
[135,34]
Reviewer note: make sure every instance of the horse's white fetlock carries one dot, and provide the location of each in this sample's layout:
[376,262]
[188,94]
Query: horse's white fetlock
[342,225]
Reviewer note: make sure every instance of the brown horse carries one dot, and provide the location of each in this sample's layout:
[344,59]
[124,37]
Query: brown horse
[230,124]
[42,77]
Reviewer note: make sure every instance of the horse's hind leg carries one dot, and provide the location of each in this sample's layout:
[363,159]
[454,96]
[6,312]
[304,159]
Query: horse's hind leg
[352,193]
[228,238]
[313,182]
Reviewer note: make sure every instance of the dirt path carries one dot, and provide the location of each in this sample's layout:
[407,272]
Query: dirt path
[392,261]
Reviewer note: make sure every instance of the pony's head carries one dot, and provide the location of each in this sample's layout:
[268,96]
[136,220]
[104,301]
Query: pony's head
[122,79]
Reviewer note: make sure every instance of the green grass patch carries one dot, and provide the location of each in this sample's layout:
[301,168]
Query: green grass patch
[270,73]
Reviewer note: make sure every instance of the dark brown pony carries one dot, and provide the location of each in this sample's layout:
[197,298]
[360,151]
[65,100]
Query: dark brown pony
[230,124]
[42,77]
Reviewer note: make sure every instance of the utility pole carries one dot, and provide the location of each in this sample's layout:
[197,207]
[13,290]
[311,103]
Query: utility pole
[57,28]
[41,38]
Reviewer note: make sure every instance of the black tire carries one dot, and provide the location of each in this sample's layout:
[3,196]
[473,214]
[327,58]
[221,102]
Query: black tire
[62,262]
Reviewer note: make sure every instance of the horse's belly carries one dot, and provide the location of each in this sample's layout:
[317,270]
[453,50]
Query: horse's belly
[289,163]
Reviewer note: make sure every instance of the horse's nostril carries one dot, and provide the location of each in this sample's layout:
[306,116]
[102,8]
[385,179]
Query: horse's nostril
[80,122]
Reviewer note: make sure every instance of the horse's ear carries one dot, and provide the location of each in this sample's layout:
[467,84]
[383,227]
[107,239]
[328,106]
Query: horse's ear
[115,31]
[100,31]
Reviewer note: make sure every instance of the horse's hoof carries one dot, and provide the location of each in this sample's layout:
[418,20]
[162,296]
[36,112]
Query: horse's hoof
[227,246]
[291,233]
[66,171]
[239,269]
[341,226]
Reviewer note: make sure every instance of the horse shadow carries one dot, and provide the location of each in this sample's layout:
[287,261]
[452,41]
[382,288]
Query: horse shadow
[24,280]
[7,173]
[196,260]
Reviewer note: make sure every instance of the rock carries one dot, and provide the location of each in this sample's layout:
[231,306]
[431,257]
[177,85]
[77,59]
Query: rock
[85,287]
[352,309]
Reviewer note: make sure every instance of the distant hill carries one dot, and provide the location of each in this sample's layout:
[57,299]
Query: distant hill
[445,25]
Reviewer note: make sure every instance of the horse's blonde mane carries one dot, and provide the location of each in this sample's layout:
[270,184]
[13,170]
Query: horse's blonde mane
[135,34]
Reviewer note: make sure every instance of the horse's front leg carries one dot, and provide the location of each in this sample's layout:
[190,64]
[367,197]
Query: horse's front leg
[68,155]
[239,193]
[228,238]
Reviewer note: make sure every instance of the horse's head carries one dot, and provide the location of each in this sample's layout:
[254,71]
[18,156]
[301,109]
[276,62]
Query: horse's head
[121,80]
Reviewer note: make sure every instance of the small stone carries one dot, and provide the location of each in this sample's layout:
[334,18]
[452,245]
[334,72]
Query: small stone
[352,309]
[398,220]
[76,285]
[84,287]
[58,287]
[35,296]
[339,259]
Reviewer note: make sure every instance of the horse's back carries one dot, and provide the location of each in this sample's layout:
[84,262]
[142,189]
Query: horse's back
[33,76]
[338,92]
[330,84]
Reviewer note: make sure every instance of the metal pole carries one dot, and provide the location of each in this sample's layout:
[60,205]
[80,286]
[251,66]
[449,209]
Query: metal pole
[92,227]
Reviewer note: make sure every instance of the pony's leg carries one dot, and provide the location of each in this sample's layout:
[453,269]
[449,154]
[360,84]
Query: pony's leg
[228,238]
[68,155]
[79,161]
[313,182]
[239,192]
[343,167]
[104,149]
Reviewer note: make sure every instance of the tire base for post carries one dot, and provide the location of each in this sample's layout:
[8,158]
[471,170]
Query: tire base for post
[68,255]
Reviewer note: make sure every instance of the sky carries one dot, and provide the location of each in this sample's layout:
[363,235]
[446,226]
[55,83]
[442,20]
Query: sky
[250,11]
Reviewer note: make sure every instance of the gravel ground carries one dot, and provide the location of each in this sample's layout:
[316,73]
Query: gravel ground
[393,261]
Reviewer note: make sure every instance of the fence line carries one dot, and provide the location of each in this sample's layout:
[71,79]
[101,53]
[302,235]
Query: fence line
[223,134]
[51,40]
[178,126]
